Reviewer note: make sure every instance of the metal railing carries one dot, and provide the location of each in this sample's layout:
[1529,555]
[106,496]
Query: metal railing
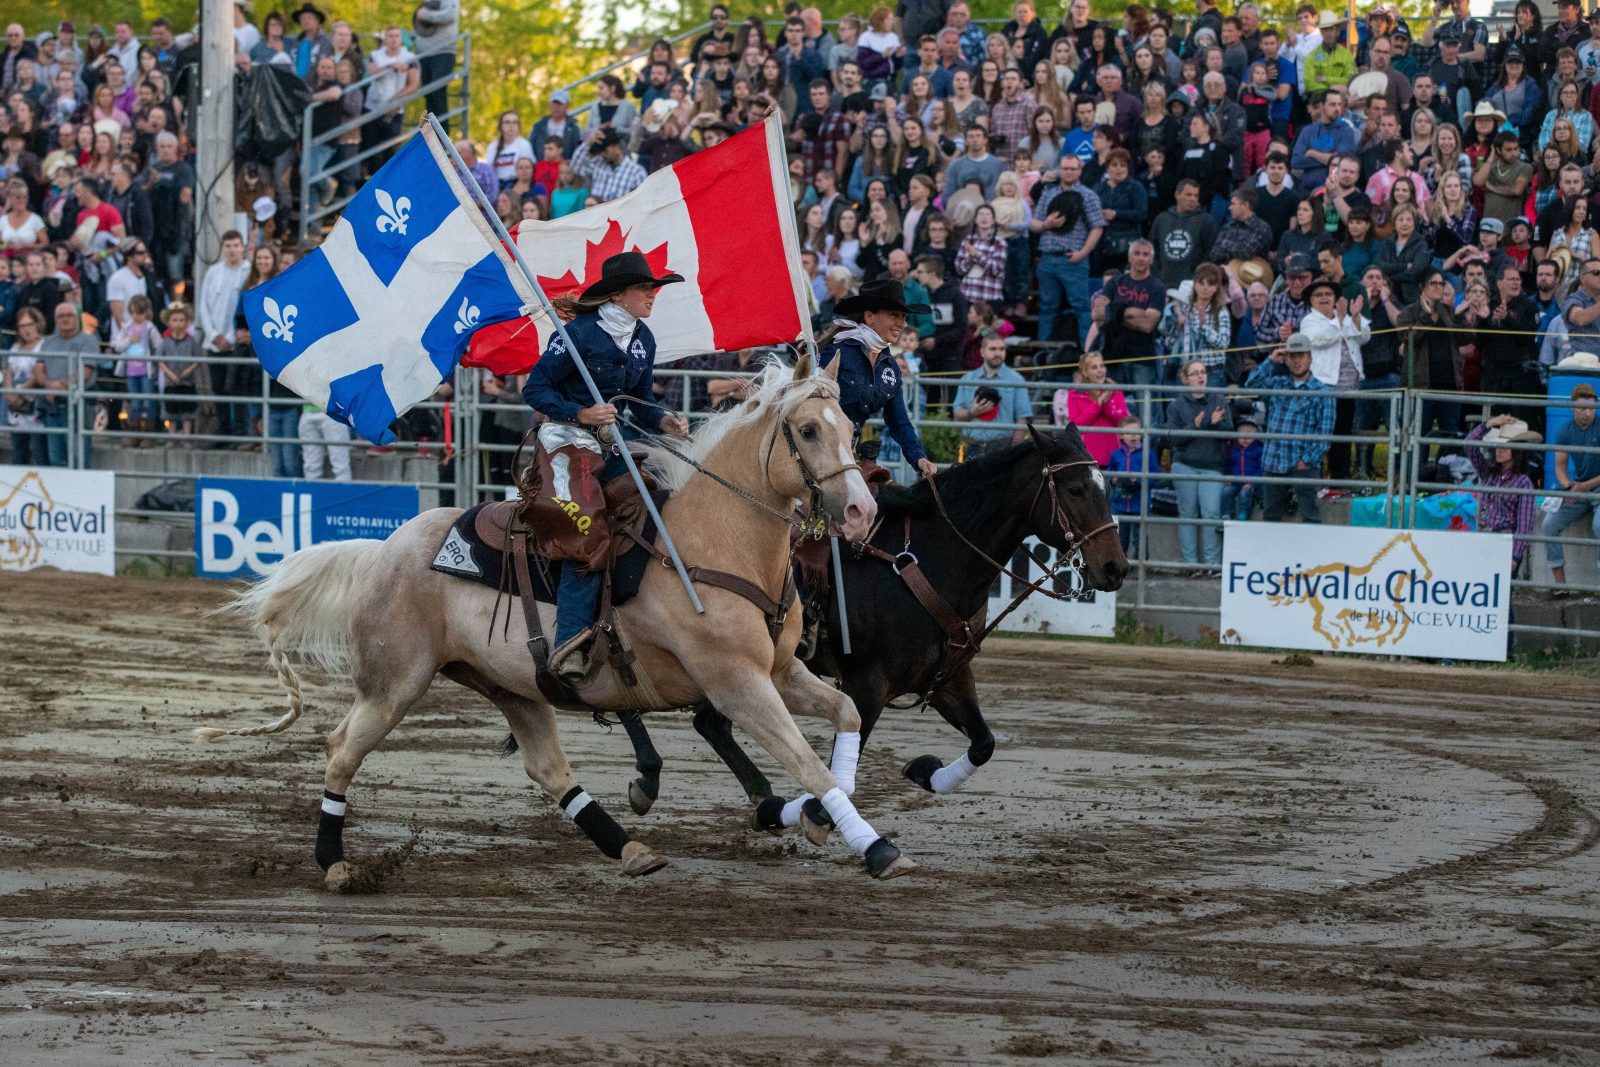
[475,464]
[313,174]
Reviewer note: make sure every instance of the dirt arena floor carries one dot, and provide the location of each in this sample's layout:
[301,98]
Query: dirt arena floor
[1175,857]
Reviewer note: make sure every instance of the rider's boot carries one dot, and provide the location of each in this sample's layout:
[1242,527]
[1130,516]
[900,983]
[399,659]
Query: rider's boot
[809,635]
[570,660]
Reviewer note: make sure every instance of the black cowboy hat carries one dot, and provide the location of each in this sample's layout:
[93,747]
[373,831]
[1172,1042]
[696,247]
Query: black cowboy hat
[619,272]
[309,8]
[886,294]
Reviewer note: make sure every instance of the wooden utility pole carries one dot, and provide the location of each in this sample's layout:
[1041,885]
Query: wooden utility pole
[214,197]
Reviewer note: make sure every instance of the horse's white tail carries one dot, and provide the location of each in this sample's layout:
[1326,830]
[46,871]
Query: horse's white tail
[305,606]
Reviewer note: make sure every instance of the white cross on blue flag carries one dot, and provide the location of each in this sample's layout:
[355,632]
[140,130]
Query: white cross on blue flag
[372,321]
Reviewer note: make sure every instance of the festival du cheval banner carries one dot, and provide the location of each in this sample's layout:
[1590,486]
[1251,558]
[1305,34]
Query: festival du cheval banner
[52,517]
[718,217]
[1433,593]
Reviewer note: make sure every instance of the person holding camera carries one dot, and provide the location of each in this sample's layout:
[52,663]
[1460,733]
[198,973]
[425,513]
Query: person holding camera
[993,399]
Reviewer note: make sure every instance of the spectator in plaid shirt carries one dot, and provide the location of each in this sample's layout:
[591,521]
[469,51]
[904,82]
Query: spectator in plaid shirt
[981,262]
[824,136]
[1306,414]
[1069,224]
[1287,306]
[1011,117]
[610,171]
[1512,513]
[1245,235]
[974,39]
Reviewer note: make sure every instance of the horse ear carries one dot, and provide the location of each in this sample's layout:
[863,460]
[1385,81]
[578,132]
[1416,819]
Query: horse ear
[832,369]
[803,366]
[1040,441]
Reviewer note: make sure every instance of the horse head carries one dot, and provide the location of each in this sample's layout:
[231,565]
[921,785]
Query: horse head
[809,454]
[1070,509]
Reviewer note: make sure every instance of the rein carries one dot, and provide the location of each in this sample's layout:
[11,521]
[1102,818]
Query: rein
[961,643]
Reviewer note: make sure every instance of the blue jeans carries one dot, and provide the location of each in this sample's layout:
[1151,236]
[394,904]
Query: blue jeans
[1128,533]
[1062,282]
[578,592]
[1239,500]
[1371,414]
[1571,511]
[1198,500]
[1447,413]
[141,385]
[285,422]
[59,445]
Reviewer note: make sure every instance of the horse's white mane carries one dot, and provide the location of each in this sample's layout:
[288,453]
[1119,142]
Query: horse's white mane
[773,393]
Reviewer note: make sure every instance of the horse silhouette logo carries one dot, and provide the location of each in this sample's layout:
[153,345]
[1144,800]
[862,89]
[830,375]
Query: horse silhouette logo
[20,547]
[1349,627]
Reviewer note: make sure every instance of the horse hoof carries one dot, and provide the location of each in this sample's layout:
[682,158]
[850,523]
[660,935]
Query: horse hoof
[338,877]
[815,822]
[641,798]
[920,770]
[768,817]
[638,860]
[885,861]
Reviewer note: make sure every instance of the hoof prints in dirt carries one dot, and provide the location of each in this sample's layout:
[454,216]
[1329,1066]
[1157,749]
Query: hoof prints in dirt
[1173,857]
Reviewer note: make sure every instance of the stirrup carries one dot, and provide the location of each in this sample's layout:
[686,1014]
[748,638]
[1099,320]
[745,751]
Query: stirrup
[570,661]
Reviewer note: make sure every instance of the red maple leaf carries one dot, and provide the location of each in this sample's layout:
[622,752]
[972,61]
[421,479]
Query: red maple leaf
[611,243]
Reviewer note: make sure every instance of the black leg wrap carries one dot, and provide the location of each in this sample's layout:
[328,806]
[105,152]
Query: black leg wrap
[816,813]
[330,835]
[880,854]
[600,827]
[920,770]
[769,815]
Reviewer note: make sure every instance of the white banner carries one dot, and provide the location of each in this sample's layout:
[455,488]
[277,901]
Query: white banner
[50,517]
[1095,615]
[1433,593]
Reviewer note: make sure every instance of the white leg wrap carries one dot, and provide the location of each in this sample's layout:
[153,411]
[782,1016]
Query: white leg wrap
[949,779]
[579,802]
[846,754]
[791,810]
[333,807]
[858,833]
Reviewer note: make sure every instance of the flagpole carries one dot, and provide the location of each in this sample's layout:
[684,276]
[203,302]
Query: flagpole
[465,177]
[791,240]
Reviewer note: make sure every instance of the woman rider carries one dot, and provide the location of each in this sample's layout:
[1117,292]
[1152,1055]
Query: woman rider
[610,334]
[869,378]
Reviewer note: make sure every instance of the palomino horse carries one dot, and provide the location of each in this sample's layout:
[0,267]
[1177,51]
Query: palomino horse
[1046,487]
[375,610]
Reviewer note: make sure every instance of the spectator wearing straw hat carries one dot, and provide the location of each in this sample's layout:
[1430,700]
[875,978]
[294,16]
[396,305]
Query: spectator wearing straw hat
[1576,472]
[1498,512]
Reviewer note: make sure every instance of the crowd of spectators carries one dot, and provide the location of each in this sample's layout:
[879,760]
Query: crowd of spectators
[1102,205]
[97,161]
[1145,201]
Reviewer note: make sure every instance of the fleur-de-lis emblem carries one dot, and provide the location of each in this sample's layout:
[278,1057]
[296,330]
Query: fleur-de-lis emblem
[282,325]
[396,213]
[466,316]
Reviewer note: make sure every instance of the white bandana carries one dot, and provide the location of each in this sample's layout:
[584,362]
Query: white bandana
[860,331]
[617,323]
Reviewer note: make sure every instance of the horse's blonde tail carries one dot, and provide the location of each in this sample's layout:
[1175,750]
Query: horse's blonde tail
[306,606]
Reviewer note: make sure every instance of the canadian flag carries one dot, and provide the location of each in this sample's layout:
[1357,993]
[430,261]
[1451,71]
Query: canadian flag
[721,218]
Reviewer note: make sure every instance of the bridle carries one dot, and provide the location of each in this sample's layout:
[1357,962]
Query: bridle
[813,522]
[963,637]
[1075,542]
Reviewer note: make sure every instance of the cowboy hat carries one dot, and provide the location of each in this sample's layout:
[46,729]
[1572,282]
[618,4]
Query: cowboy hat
[621,271]
[176,307]
[885,294]
[1485,108]
[1579,360]
[1510,433]
[1329,21]
[311,9]
[1249,271]
[1372,83]
[1562,258]
[1322,283]
[657,113]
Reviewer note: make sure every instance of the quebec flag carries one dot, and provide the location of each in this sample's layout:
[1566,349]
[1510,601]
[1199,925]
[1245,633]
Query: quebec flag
[372,321]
